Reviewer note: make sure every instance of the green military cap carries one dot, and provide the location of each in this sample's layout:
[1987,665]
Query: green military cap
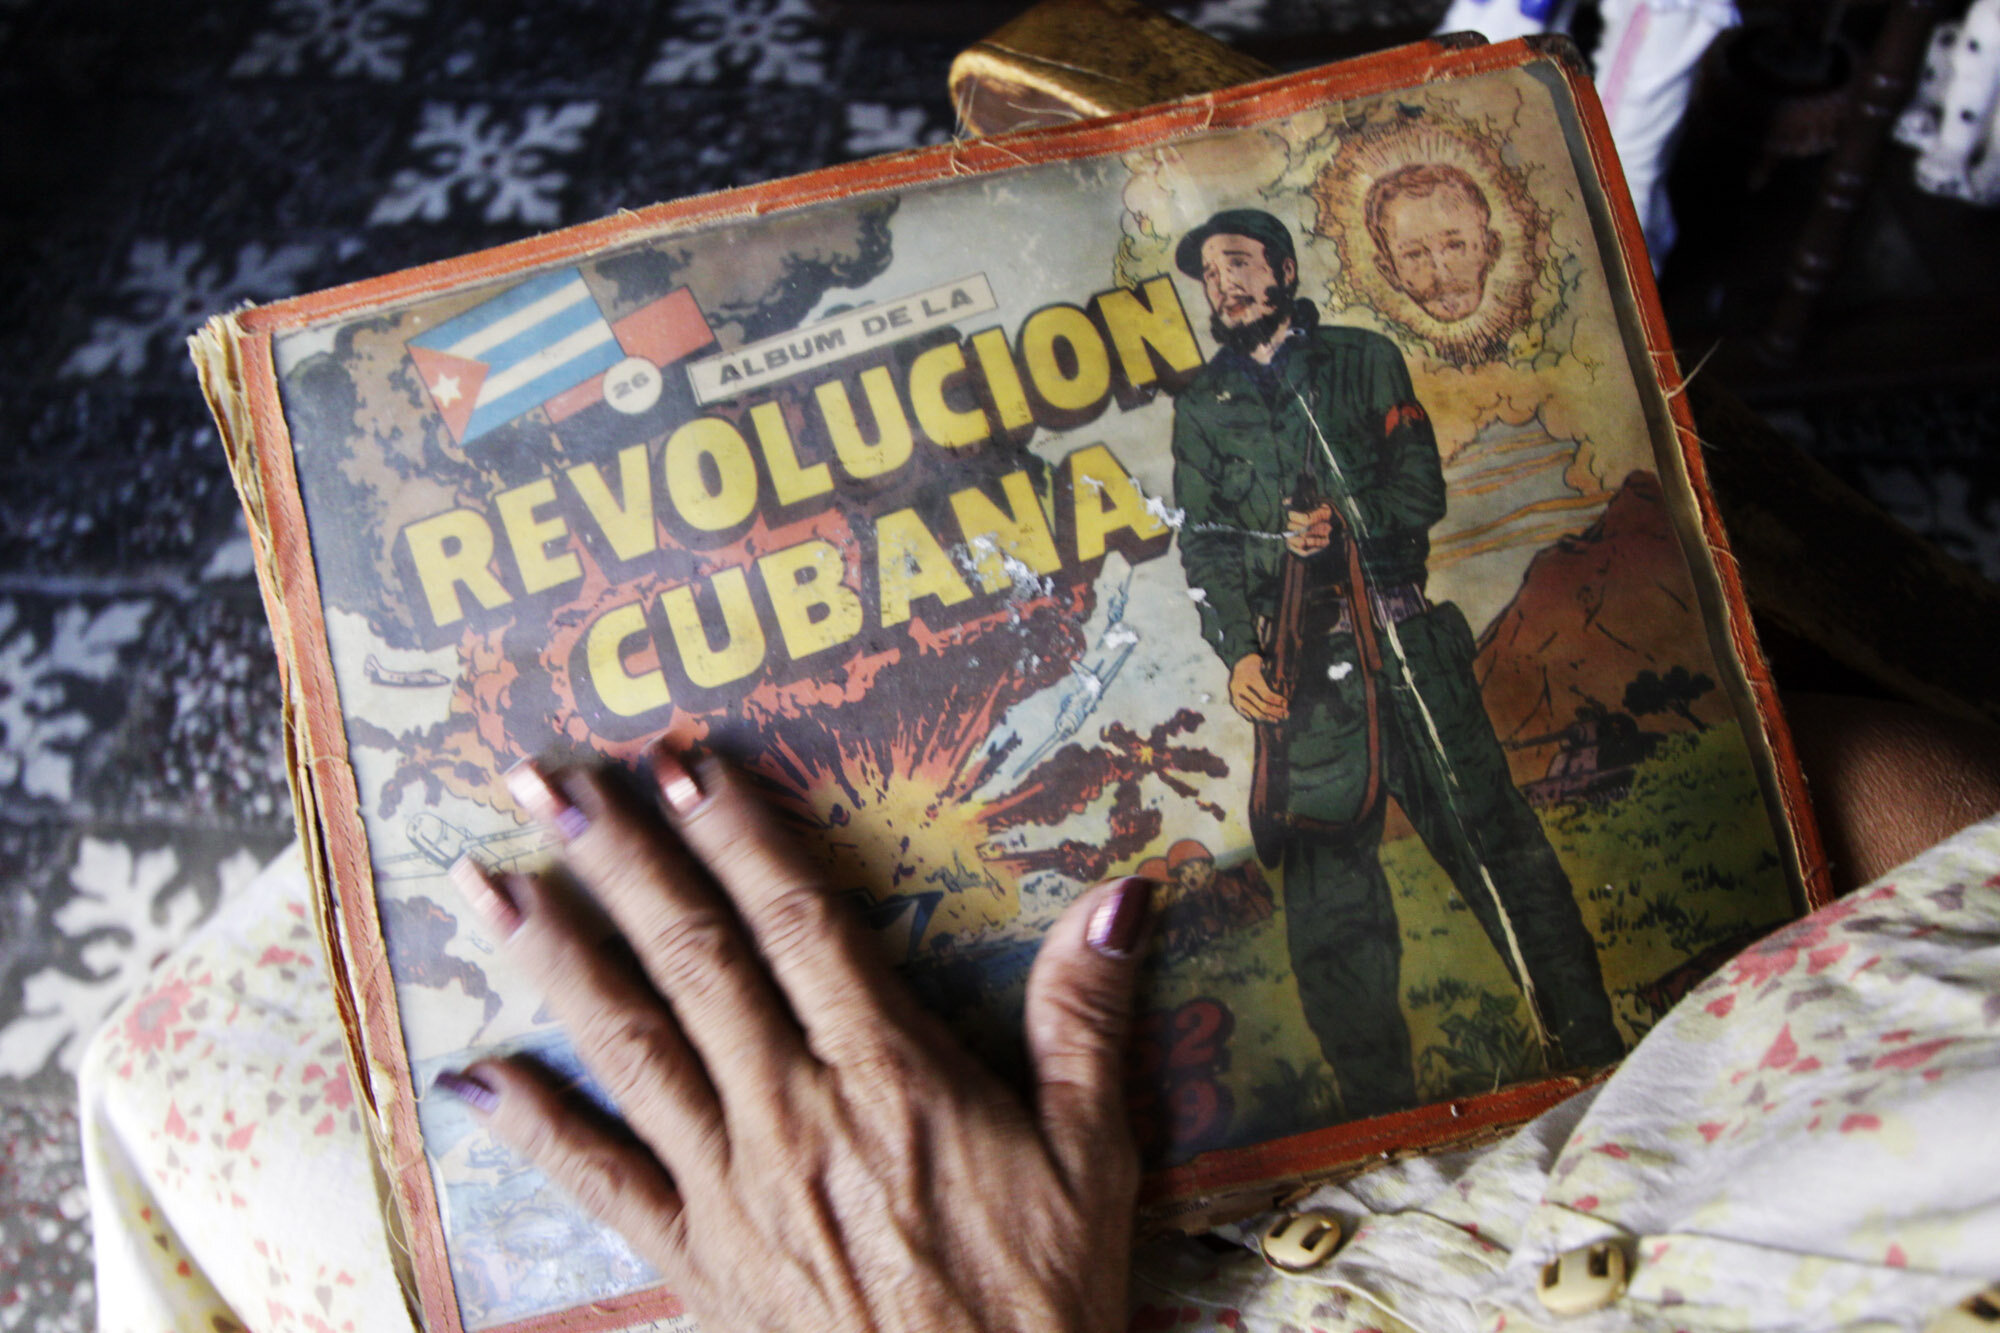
[1252,222]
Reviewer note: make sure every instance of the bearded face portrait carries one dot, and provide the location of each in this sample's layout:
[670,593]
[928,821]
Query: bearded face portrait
[1433,238]
[1248,297]
[1437,235]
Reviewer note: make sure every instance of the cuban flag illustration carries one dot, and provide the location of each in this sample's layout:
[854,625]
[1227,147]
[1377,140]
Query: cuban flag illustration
[545,343]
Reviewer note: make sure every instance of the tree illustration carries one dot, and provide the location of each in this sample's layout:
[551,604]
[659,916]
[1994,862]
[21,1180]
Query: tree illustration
[1650,692]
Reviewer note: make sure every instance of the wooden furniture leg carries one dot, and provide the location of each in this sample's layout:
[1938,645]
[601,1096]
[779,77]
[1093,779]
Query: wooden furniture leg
[1880,92]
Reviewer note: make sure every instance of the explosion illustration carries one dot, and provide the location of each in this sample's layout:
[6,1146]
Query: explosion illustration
[1076,776]
[874,762]
[692,569]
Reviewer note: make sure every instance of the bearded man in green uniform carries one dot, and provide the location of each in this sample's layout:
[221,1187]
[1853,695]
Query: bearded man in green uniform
[1292,441]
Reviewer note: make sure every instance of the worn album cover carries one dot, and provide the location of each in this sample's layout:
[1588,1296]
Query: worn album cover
[1282,495]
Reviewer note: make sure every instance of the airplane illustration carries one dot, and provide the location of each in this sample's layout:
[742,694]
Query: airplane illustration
[439,843]
[1088,679]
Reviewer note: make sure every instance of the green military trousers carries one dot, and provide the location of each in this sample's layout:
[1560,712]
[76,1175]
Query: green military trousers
[1346,945]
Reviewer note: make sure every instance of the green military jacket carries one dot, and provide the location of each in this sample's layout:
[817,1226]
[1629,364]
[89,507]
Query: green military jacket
[1240,450]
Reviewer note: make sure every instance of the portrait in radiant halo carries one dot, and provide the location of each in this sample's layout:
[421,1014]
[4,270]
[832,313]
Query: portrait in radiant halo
[1436,234]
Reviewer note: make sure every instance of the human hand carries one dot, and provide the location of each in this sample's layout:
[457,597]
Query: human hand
[1310,531]
[807,1150]
[1251,695]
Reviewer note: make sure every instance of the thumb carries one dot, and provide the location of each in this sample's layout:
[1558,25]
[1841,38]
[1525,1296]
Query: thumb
[1078,1013]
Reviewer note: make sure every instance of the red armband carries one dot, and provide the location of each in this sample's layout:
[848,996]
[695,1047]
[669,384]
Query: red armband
[1404,414]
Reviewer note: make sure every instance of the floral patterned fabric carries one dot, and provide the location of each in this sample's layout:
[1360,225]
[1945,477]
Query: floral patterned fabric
[1804,1143]
[229,1173]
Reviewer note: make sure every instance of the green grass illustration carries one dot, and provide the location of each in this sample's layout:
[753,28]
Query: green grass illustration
[1684,862]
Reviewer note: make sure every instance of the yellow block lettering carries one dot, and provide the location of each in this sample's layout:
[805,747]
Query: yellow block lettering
[1105,500]
[910,566]
[626,522]
[792,482]
[815,610]
[893,442]
[1003,379]
[992,533]
[449,549]
[1156,321]
[711,478]
[623,693]
[530,536]
[1076,390]
[945,424]
[742,651]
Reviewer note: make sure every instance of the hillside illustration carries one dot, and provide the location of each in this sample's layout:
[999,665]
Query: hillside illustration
[1580,644]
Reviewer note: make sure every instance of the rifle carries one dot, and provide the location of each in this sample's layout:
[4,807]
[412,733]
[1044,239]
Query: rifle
[1272,822]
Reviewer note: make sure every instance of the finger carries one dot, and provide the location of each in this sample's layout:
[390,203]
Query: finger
[1268,699]
[609,1174]
[1258,709]
[685,933]
[621,1027]
[1078,1016]
[840,989]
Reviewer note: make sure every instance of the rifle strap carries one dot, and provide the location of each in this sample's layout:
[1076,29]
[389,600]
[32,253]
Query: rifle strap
[1368,649]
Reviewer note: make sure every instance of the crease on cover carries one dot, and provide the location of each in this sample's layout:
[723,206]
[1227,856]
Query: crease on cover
[215,349]
[1771,746]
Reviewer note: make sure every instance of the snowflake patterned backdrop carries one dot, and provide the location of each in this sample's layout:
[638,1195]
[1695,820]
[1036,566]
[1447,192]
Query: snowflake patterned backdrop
[188,158]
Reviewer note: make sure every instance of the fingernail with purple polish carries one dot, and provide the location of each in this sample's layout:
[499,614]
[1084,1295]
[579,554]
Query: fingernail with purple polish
[471,1089]
[1119,924]
[543,800]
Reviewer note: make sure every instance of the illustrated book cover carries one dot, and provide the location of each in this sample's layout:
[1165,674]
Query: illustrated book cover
[1285,493]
